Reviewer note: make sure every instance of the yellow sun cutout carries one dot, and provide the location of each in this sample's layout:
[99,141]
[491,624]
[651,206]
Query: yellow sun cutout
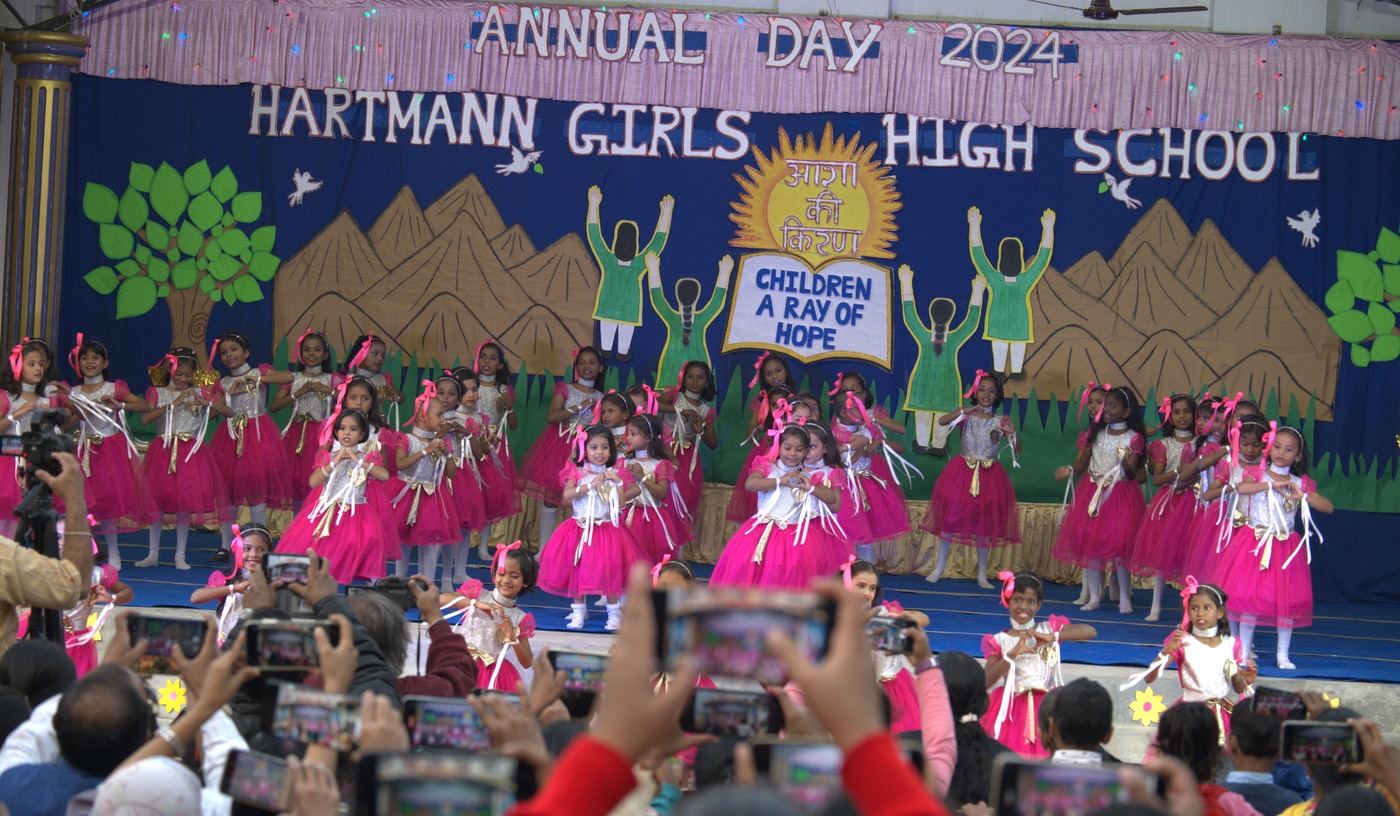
[172,696]
[817,199]
[1147,708]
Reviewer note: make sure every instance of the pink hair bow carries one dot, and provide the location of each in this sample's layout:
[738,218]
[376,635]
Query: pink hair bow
[1269,436]
[782,414]
[213,353]
[846,571]
[758,368]
[653,403]
[656,570]
[1166,408]
[1008,586]
[498,560]
[1188,591]
[976,381]
[218,579]
[17,359]
[1226,405]
[1084,399]
[1234,436]
[859,406]
[302,339]
[680,377]
[362,353]
[420,403]
[476,358]
[73,355]
[1098,417]
[836,384]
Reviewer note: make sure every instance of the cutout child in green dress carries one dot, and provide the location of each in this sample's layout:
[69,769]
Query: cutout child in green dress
[618,307]
[1009,285]
[935,384]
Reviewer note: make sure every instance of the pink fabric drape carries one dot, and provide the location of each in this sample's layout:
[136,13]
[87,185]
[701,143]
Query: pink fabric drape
[1122,79]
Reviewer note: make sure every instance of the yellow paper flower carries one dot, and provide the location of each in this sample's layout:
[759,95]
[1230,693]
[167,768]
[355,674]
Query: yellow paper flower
[172,696]
[1147,708]
[1332,700]
[91,622]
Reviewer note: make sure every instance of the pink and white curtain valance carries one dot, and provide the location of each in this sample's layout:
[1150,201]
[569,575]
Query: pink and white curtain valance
[762,63]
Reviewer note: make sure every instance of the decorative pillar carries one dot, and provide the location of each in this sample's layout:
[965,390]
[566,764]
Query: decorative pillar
[38,179]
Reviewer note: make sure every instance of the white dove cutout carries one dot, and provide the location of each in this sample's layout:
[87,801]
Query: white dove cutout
[1119,191]
[519,162]
[1306,223]
[304,184]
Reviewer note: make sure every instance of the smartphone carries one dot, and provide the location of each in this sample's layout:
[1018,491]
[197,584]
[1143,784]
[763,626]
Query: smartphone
[741,714]
[395,590]
[725,630]
[318,717]
[1024,787]
[432,783]
[808,773]
[11,445]
[1320,743]
[443,722]
[287,567]
[256,779]
[583,671]
[275,646]
[888,635]
[163,635]
[1278,703]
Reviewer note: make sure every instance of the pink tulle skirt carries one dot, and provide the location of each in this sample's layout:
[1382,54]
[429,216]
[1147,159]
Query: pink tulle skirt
[506,680]
[785,563]
[854,518]
[743,504]
[377,494]
[904,703]
[657,531]
[888,514]
[83,655]
[261,475]
[539,473]
[1203,537]
[1095,543]
[11,481]
[304,435]
[986,520]
[690,479]
[435,522]
[599,568]
[1160,547]
[502,497]
[355,544]
[1274,596]
[469,497]
[196,488]
[114,488]
[1019,731]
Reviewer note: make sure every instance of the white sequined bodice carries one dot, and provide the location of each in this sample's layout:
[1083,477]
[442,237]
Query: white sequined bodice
[1109,452]
[1035,669]
[104,426]
[1175,448]
[977,436]
[1267,507]
[594,504]
[573,400]
[187,418]
[250,403]
[26,423]
[680,428]
[428,469]
[1203,668]
[846,432]
[783,503]
[312,404]
[488,402]
[344,484]
[644,498]
[479,629]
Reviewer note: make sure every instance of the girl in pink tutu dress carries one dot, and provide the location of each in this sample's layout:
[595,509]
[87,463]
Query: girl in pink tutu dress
[772,381]
[1100,524]
[491,620]
[337,520]
[496,400]
[424,510]
[691,421]
[614,410]
[361,395]
[116,494]
[794,535]
[651,517]
[365,358]
[973,502]
[570,408]
[1209,530]
[1267,565]
[895,674]
[78,637]
[180,471]
[249,447]
[1025,661]
[1160,548]
[311,395]
[879,500]
[26,385]
[1209,660]
[592,555]
[250,545]
[465,430]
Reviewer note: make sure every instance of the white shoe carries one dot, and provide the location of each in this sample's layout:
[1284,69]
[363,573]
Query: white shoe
[577,616]
[601,602]
[984,583]
[179,564]
[1092,606]
[1154,616]
[148,561]
[1082,599]
[614,617]
[934,577]
[483,551]
[1284,663]
[1125,608]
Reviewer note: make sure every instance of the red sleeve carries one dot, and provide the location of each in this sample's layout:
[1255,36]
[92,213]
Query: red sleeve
[710,414]
[1157,451]
[879,779]
[323,458]
[1309,486]
[1188,453]
[265,369]
[451,672]
[991,647]
[1176,655]
[1083,440]
[470,588]
[893,608]
[560,389]
[527,626]
[153,396]
[120,390]
[570,473]
[4,401]
[1138,444]
[665,471]
[589,780]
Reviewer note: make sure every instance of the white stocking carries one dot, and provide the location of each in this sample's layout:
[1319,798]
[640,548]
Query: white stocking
[982,554]
[428,562]
[1246,630]
[549,516]
[109,535]
[259,513]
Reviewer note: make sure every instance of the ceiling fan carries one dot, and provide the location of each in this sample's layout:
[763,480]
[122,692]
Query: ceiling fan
[1104,10]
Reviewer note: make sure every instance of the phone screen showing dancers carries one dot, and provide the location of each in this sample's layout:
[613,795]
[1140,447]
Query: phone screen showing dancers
[1278,703]
[287,567]
[740,714]
[433,783]
[1025,787]
[256,779]
[808,773]
[582,671]
[1320,743]
[162,636]
[287,645]
[888,635]
[316,717]
[725,630]
[444,722]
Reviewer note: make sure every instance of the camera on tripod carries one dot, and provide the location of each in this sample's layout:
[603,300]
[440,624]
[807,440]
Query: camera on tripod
[39,444]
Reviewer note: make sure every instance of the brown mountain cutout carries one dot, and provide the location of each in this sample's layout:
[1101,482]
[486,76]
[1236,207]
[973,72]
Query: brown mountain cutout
[1213,269]
[443,329]
[537,335]
[1068,358]
[1162,229]
[400,230]
[1151,298]
[1057,302]
[1263,373]
[338,259]
[565,276]
[1165,357]
[466,196]
[339,320]
[513,246]
[1091,274]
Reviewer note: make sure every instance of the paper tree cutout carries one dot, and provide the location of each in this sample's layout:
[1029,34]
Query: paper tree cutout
[172,696]
[1147,708]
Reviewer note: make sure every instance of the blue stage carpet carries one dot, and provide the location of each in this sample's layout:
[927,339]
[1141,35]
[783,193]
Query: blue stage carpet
[1347,641]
